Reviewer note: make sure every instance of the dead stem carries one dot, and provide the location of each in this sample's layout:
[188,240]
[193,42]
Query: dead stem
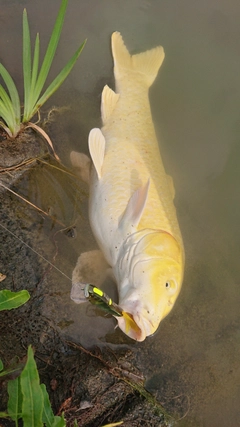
[60,169]
[15,167]
[45,135]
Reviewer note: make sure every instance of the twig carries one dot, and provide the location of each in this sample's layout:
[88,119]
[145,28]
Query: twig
[32,204]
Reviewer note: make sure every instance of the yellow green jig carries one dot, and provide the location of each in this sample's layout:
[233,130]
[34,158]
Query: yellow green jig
[97,297]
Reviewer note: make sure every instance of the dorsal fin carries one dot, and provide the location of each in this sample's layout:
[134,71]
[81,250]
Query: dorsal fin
[96,144]
[109,100]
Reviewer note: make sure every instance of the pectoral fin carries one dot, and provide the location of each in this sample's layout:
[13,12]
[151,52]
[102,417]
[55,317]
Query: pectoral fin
[135,208]
[96,144]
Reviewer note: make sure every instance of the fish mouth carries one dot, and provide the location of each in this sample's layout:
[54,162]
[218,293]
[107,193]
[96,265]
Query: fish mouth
[134,326]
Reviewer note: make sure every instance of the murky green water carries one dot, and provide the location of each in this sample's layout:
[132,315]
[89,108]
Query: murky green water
[192,363]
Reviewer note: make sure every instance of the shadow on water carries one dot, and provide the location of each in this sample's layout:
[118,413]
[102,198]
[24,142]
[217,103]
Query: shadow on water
[192,363]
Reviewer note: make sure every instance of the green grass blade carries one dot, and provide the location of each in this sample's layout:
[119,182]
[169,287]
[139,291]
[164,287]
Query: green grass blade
[51,49]
[12,92]
[9,300]
[6,99]
[35,64]
[59,79]
[1,365]
[8,104]
[28,103]
[6,116]
[15,399]
[32,404]
[26,62]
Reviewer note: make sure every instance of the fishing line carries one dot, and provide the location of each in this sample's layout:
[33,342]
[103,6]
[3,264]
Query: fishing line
[52,265]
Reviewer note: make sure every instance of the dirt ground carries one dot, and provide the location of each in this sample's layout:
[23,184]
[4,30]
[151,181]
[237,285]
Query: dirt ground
[94,386]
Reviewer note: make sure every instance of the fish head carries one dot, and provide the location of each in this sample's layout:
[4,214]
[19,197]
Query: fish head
[153,284]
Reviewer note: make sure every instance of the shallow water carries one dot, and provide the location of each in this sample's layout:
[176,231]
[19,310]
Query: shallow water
[192,363]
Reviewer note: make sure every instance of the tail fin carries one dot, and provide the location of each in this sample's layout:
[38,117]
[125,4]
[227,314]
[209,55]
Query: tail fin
[147,63]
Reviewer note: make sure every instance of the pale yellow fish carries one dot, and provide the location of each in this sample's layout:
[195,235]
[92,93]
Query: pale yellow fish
[131,208]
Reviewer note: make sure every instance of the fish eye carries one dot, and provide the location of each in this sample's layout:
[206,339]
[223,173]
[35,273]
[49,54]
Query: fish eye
[171,286]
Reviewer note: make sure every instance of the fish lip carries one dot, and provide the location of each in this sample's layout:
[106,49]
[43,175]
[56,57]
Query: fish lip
[138,335]
[143,325]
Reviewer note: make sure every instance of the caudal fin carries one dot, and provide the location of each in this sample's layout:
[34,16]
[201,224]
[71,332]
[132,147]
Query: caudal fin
[146,64]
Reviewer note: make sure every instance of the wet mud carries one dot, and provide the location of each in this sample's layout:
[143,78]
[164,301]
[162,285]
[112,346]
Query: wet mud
[93,385]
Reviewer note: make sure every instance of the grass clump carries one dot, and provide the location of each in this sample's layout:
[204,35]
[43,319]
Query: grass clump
[12,118]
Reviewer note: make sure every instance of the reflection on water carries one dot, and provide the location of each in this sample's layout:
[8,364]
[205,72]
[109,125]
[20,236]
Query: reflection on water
[192,363]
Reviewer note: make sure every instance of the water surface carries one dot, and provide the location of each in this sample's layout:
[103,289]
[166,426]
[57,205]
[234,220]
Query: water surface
[192,363]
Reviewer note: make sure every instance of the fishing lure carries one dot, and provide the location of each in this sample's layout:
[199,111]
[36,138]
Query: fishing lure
[97,297]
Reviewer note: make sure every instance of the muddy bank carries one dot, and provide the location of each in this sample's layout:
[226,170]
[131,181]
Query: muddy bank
[95,386]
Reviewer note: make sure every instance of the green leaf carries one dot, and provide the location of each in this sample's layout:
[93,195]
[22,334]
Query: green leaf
[1,365]
[59,79]
[26,59]
[32,404]
[9,300]
[15,399]
[51,49]
[48,416]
